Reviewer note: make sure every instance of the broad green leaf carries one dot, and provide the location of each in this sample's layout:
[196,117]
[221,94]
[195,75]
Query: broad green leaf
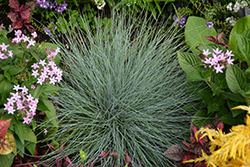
[46,106]
[194,76]
[19,130]
[37,91]
[233,96]
[188,61]
[216,90]
[235,78]
[202,118]
[14,71]
[5,88]
[232,104]
[29,134]
[50,88]
[20,146]
[34,55]
[195,31]
[6,67]
[30,147]
[7,144]
[241,26]
[230,120]
[243,45]
[1,77]
[6,160]
[7,75]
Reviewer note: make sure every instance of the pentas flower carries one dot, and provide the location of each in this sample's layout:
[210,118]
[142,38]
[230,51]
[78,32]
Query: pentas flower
[47,73]
[22,102]
[21,37]
[218,61]
[4,53]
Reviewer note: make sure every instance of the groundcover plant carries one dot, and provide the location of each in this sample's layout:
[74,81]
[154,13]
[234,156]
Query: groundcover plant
[122,92]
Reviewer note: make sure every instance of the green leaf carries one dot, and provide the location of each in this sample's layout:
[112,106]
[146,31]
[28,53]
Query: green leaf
[233,96]
[7,75]
[230,120]
[202,118]
[30,147]
[37,91]
[19,130]
[241,26]
[152,10]
[29,134]
[188,61]
[195,31]
[50,88]
[216,90]
[5,88]
[232,104]
[243,45]
[6,160]
[14,71]
[206,96]
[46,106]
[20,146]
[34,55]
[235,78]
[1,77]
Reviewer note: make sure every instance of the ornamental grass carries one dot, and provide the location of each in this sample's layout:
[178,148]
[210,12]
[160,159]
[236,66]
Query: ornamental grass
[123,91]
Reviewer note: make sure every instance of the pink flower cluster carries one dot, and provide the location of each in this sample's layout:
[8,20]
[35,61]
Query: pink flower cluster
[47,72]
[23,102]
[3,52]
[21,37]
[219,60]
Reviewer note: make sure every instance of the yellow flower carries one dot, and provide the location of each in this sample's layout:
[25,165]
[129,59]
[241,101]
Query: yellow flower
[228,150]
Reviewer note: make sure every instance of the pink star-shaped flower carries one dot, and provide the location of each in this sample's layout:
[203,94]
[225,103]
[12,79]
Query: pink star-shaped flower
[4,47]
[217,51]
[25,90]
[206,52]
[16,87]
[18,32]
[219,68]
[34,34]
[32,42]
[35,66]
[35,73]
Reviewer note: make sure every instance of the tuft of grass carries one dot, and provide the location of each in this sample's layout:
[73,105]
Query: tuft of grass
[123,90]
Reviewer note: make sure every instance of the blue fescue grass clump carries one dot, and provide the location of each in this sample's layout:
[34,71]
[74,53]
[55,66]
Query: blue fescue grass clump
[123,90]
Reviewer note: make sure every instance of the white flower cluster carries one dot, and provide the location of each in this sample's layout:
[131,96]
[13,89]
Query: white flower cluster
[237,5]
[231,20]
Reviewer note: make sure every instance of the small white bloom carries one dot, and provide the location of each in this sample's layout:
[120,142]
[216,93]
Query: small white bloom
[100,4]
[229,6]
[243,4]
[237,6]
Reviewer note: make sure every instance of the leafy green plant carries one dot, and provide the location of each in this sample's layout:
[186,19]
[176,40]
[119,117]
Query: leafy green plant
[153,6]
[228,80]
[23,92]
[123,91]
